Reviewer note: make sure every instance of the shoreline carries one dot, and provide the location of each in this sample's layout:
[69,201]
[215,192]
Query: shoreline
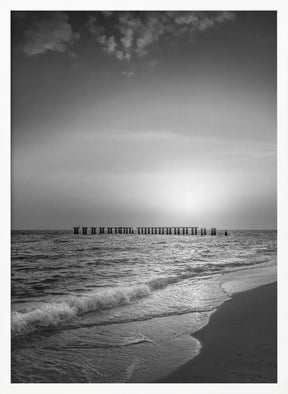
[239,343]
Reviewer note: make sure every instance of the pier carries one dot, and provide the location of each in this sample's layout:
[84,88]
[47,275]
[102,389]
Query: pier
[147,230]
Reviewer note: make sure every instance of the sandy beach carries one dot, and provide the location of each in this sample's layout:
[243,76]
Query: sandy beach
[239,345]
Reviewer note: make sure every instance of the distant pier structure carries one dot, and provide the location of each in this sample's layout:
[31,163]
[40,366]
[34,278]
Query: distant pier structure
[146,230]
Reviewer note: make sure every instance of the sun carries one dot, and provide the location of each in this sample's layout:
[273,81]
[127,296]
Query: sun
[177,194]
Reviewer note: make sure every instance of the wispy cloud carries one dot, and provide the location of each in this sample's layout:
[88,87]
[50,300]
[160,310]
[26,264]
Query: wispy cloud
[124,35]
[48,31]
[135,33]
[128,74]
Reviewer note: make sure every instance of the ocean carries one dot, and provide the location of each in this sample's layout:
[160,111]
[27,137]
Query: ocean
[122,307]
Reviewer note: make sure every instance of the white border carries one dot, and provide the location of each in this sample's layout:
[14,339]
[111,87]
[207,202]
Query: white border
[281,7]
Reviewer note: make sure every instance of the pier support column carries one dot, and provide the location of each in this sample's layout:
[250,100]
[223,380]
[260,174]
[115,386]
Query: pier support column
[195,230]
[84,230]
[226,232]
[76,230]
[93,230]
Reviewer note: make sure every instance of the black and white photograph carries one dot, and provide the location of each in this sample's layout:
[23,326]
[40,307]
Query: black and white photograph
[143,196]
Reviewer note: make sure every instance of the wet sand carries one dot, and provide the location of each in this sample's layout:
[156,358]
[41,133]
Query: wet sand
[239,345]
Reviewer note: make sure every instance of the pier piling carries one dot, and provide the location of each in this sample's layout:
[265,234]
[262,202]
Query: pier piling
[147,230]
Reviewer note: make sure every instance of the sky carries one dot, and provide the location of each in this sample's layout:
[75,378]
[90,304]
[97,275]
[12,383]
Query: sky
[144,119]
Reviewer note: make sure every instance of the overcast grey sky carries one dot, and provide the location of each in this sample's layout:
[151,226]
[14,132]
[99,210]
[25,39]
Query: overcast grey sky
[143,118]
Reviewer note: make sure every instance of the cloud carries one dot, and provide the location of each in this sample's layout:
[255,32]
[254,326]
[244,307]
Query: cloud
[107,13]
[127,39]
[186,19]
[92,25]
[49,33]
[225,16]
[128,74]
[122,56]
[111,45]
[108,44]
[142,42]
[201,21]
[135,33]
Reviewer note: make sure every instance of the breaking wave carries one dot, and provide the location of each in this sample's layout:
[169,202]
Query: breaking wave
[53,314]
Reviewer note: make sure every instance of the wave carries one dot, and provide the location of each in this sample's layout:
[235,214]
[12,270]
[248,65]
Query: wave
[103,344]
[51,315]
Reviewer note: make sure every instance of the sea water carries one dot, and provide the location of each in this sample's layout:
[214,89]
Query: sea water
[122,308]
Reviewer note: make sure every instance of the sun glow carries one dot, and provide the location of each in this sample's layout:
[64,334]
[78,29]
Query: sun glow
[190,194]
[179,196]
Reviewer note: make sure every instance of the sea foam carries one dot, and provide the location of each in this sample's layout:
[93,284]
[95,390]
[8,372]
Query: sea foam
[53,314]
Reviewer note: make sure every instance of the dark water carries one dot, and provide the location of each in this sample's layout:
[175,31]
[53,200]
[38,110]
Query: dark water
[105,308]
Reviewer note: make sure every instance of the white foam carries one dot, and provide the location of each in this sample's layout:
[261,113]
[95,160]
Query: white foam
[46,316]
[49,315]
[52,314]
[243,280]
